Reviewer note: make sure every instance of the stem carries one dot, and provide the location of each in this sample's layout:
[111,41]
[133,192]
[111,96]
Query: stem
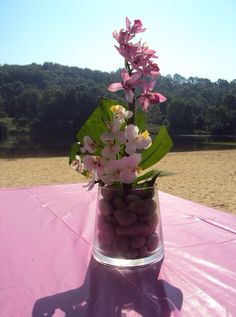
[131,107]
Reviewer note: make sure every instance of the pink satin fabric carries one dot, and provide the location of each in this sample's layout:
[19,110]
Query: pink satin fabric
[46,266]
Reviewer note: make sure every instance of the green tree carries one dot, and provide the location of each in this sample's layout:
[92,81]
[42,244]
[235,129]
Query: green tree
[180,115]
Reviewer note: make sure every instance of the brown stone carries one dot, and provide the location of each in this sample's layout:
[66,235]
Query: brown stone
[105,207]
[138,242]
[138,206]
[121,244]
[152,242]
[107,233]
[135,230]
[124,217]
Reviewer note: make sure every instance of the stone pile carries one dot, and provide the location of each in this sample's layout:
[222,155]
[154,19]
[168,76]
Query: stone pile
[127,222]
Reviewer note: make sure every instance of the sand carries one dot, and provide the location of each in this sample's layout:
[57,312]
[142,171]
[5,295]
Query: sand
[206,177]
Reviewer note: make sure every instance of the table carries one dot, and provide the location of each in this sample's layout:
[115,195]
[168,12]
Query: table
[47,270]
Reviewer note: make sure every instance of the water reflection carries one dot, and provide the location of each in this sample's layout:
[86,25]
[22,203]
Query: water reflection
[26,146]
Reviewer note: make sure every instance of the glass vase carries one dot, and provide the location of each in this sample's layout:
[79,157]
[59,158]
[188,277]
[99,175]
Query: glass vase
[128,230]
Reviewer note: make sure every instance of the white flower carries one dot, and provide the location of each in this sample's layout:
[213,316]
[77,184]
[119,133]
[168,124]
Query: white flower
[121,113]
[89,145]
[136,140]
[77,165]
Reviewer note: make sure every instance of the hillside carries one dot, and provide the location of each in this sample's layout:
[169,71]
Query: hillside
[52,99]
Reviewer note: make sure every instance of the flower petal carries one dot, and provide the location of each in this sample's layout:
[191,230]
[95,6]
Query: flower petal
[115,87]
[131,132]
[129,95]
[130,147]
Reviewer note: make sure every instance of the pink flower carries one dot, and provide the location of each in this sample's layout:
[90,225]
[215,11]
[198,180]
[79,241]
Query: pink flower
[136,54]
[94,164]
[128,83]
[142,56]
[110,150]
[89,145]
[114,133]
[147,97]
[130,168]
[113,170]
[126,35]
[123,170]
[89,162]
[135,28]
[151,69]
[122,37]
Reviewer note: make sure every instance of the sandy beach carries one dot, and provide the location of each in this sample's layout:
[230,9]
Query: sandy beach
[206,177]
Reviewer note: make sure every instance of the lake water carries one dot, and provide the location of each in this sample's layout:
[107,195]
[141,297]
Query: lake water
[202,142]
[59,146]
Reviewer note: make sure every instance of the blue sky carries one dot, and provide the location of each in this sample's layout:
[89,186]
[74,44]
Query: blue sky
[191,37]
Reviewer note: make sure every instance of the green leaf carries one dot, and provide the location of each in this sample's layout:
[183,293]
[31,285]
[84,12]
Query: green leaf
[161,145]
[139,120]
[96,123]
[73,151]
[148,176]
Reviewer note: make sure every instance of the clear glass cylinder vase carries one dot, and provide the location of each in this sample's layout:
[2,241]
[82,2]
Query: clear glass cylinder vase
[128,230]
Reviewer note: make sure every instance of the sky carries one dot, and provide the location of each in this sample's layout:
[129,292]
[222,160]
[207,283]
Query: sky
[191,37]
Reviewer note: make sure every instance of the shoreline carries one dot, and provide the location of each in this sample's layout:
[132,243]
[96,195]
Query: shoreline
[205,177]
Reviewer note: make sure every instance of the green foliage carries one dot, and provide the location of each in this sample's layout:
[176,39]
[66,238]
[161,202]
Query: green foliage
[180,114]
[140,120]
[148,178]
[61,98]
[96,123]
[3,130]
[73,151]
[161,145]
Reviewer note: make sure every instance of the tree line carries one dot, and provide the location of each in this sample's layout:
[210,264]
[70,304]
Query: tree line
[52,99]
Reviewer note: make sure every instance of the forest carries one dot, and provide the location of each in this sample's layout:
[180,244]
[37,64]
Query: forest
[52,99]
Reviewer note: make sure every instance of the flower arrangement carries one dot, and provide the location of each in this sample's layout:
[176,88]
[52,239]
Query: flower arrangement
[113,147]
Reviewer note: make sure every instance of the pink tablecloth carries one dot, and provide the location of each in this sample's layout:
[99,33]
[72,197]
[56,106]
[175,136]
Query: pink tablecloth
[47,270]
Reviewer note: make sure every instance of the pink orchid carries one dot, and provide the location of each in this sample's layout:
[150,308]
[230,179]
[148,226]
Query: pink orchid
[136,54]
[113,170]
[110,150]
[89,145]
[89,162]
[142,56]
[135,28]
[147,97]
[124,36]
[113,133]
[94,164]
[151,69]
[128,83]
[130,168]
